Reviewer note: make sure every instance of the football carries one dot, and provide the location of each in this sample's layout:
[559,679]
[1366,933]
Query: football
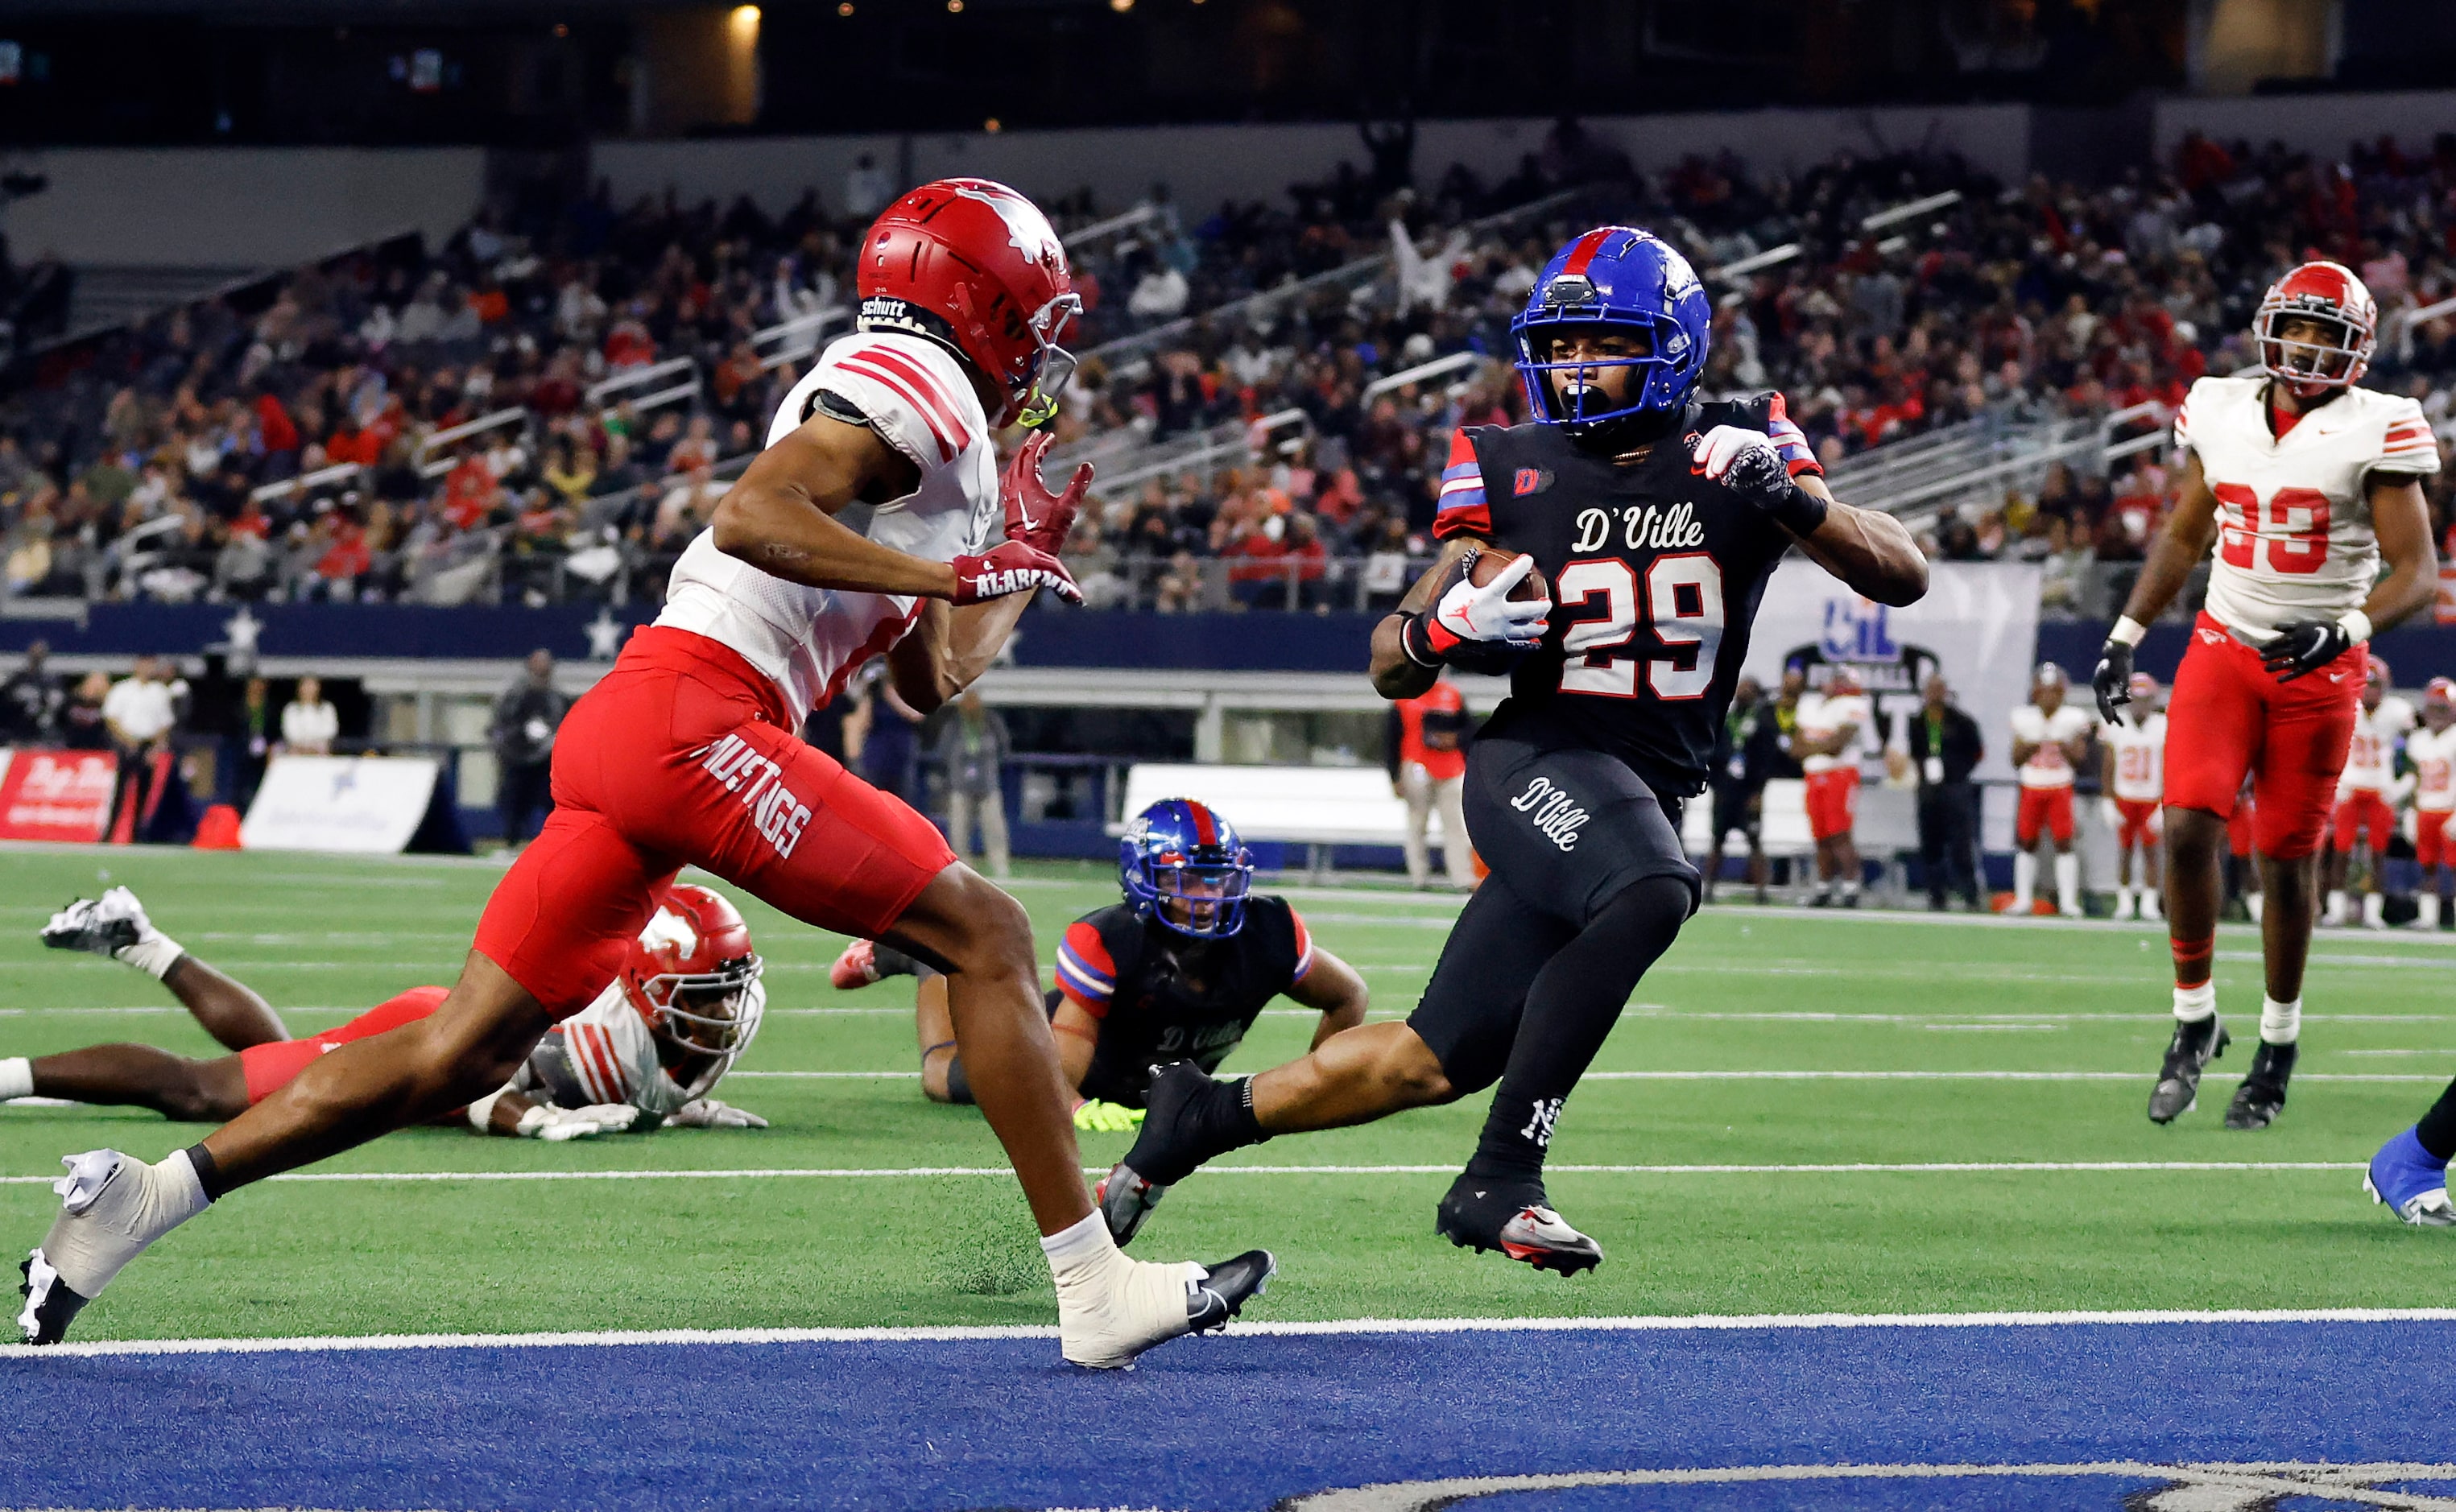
[1489,563]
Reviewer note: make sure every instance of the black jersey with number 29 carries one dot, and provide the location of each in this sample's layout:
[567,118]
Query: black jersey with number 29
[1658,570]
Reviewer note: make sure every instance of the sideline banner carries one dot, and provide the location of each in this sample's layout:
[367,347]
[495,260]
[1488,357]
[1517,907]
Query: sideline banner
[1978,625]
[366,805]
[62,795]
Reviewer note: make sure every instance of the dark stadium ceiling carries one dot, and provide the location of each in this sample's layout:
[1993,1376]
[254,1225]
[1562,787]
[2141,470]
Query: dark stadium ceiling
[292,12]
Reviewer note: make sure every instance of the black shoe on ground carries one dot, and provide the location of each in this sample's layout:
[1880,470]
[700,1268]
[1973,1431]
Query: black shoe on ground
[2178,1077]
[1488,1213]
[1210,1303]
[2261,1096]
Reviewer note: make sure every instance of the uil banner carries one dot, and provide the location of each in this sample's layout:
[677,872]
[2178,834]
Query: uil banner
[367,804]
[1978,626]
[56,794]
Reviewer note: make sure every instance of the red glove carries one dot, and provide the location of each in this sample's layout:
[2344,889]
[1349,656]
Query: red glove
[1011,567]
[1033,515]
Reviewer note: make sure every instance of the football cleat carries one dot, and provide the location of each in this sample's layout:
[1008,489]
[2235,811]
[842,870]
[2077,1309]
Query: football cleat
[111,1208]
[2178,1078]
[1486,1213]
[857,967]
[2410,1183]
[1104,1322]
[103,926]
[1188,1119]
[2261,1096]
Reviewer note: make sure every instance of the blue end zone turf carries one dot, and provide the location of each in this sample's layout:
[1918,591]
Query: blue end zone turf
[2067,1415]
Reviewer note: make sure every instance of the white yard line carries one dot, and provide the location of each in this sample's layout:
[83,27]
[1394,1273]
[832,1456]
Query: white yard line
[1337,1327]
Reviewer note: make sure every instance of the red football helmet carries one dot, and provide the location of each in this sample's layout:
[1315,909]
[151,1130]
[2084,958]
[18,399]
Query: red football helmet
[2440,690]
[2327,292]
[975,267]
[2377,671]
[691,971]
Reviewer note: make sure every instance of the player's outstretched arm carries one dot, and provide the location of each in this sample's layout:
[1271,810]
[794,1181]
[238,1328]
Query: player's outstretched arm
[781,519]
[1335,987]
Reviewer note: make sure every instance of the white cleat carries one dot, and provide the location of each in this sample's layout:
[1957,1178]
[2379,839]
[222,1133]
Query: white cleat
[111,1208]
[1104,1322]
[111,924]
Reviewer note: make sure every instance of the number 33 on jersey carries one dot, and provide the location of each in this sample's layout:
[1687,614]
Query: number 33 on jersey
[1655,574]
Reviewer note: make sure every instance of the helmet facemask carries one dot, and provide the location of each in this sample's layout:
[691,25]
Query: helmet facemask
[1205,899]
[1052,366]
[2309,367]
[702,1018]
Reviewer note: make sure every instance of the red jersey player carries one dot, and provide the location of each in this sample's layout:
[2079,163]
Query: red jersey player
[863,529]
[2301,483]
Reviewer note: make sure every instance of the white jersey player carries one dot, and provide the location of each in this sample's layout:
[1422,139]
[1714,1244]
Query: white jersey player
[2133,779]
[2431,751]
[2367,797]
[2049,739]
[849,537]
[2297,485]
[1832,727]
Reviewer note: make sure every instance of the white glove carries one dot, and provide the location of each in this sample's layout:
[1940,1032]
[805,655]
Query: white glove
[555,1125]
[1469,613]
[1750,464]
[707,1112]
[1725,445]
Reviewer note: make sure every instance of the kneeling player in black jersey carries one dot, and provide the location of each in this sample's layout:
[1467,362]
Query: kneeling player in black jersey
[1657,521]
[1177,971]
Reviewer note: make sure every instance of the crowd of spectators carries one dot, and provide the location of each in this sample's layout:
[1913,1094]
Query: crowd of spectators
[150,467]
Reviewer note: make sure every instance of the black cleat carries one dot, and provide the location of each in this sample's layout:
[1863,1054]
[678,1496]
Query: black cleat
[1188,1117]
[2261,1096]
[2178,1077]
[1486,1213]
[51,1306]
[1210,1303]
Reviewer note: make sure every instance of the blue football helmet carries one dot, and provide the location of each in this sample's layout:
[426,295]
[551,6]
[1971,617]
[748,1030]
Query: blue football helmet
[1632,280]
[1180,850]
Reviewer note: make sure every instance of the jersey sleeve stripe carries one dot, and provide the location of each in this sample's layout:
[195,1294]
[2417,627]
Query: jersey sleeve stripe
[894,385]
[585,1064]
[932,392]
[1461,487]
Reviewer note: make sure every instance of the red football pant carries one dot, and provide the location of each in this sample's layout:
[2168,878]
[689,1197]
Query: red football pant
[2048,808]
[2432,843]
[2238,829]
[1832,802]
[270,1068]
[2360,810]
[682,756]
[2138,822]
[2228,717]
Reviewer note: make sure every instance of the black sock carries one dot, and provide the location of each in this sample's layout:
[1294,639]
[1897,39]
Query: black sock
[1571,1006]
[959,1086]
[889,961]
[2437,1130]
[209,1175]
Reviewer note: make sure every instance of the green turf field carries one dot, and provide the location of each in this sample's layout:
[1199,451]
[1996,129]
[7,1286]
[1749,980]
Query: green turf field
[1746,991]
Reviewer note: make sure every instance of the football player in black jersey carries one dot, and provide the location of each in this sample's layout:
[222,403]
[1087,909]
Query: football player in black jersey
[1657,520]
[1178,971]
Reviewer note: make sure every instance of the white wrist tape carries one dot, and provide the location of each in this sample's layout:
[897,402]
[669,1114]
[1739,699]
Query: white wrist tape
[2356,625]
[2128,630]
[481,1113]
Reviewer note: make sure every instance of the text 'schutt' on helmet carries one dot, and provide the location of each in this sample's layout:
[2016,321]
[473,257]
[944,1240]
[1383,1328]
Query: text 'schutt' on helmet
[975,267]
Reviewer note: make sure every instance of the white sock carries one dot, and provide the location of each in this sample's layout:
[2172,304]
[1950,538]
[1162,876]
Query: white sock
[2068,882]
[2374,908]
[188,1195]
[2025,880]
[1080,1252]
[17,1077]
[2193,1004]
[2251,901]
[2281,1023]
[2337,904]
[154,954]
[2124,902]
[2428,917]
[2149,906]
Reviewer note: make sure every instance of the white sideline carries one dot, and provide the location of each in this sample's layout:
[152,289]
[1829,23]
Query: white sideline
[1337,1327]
[892,1173]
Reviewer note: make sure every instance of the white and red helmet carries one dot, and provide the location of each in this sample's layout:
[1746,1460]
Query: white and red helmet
[2440,690]
[690,971]
[975,267]
[2331,295]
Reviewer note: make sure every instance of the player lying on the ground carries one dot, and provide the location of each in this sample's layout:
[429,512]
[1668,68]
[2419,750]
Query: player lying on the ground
[2133,777]
[2367,798]
[647,1053]
[1657,520]
[866,528]
[2299,482]
[1180,971]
